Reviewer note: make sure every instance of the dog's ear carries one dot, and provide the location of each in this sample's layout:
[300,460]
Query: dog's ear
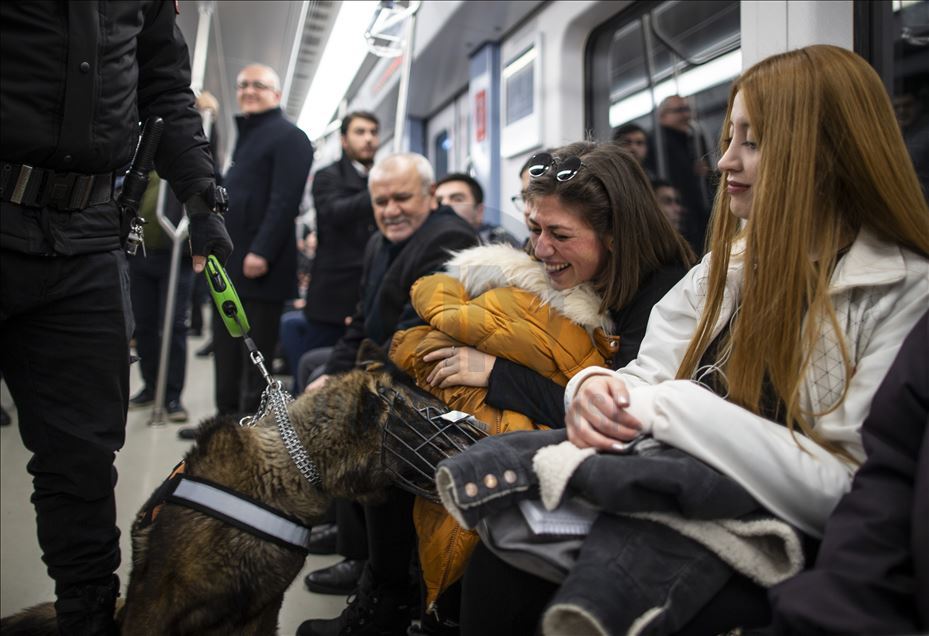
[370,356]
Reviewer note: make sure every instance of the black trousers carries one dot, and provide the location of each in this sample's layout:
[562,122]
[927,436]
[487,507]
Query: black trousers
[64,352]
[238,382]
[391,538]
[149,284]
[199,294]
[352,539]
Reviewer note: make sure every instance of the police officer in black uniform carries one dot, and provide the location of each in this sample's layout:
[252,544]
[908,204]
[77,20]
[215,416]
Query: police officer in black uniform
[77,78]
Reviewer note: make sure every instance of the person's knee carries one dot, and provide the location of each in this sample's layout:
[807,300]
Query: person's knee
[85,472]
[292,322]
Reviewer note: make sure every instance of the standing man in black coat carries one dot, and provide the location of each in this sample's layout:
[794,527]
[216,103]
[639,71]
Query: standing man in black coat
[344,223]
[266,180]
[77,79]
[414,240]
[686,153]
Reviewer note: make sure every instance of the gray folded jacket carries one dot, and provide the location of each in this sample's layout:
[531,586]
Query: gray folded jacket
[676,529]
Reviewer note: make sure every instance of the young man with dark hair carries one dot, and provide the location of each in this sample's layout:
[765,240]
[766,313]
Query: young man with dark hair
[464,194]
[633,138]
[669,200]
[344,222]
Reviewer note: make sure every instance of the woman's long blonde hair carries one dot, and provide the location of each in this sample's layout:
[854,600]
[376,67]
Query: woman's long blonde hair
[832,162]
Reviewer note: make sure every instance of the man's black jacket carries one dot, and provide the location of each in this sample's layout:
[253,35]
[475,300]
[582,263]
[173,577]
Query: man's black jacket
[389,272]
[58,113]
[682,151]
[77,78]
[266,180]
[344,223]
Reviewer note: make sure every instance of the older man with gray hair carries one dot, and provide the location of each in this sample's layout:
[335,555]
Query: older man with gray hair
[266,180]
[414,240]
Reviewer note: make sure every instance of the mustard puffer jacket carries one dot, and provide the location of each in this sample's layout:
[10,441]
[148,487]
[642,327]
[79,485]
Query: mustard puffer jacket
[498,300]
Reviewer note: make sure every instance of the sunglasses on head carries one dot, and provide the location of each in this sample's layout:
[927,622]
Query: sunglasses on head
[565,170]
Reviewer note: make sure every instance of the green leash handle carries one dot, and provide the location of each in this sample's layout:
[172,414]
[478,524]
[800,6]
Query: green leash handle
[226,299]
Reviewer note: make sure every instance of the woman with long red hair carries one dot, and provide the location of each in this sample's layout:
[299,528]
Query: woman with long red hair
[763,360]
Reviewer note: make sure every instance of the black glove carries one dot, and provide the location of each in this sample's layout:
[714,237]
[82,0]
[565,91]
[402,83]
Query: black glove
[208,233]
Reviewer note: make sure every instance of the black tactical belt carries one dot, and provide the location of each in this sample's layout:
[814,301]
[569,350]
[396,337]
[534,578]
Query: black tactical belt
[31,186]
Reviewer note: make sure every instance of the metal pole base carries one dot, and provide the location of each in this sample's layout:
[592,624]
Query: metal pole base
[158,417]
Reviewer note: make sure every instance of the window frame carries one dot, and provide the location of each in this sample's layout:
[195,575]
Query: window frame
[597,62]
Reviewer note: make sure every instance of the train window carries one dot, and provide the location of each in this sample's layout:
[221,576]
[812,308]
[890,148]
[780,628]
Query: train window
[660,49]
[698,31]
[665,68]
[520,98]
[894,38]
[518,81]
[628,71]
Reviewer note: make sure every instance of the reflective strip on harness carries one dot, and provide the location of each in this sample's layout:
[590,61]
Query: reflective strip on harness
[247,513]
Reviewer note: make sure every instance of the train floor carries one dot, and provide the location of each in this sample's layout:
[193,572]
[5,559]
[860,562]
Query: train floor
[147,457]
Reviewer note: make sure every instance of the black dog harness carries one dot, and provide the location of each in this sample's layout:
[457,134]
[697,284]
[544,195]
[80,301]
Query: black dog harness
[229,506]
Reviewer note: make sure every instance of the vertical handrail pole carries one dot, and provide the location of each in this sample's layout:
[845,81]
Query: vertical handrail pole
[179,234]
[201,46]
[662,164]
[403,90]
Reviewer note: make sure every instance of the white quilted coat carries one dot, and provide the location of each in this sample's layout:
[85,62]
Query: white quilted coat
[879,292]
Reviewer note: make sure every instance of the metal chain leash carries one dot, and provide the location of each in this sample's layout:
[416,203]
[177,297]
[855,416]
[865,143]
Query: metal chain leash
[275,398]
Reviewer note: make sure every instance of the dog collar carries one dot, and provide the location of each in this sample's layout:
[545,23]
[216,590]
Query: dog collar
[275,399]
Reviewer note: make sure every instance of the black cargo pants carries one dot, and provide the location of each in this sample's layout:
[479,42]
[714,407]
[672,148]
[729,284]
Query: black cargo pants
[64,352]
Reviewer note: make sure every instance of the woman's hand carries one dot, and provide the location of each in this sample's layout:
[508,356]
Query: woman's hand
[459,366]
[597,416]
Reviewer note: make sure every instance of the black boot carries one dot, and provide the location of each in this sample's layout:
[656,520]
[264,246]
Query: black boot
[372,610]
[88,610]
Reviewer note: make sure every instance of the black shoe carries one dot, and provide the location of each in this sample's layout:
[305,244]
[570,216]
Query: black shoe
[142,399]
[323,539]
[339,579]
[188,432]
[430,626]
[205,351]
[372,610]
[176,411]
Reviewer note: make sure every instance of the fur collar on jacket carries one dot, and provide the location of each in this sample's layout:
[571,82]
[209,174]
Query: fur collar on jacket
[488,267]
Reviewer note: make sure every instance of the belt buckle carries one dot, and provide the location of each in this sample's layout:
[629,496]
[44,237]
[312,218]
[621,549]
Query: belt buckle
[58,190]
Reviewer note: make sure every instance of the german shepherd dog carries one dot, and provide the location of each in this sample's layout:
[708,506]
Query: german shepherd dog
[194,574]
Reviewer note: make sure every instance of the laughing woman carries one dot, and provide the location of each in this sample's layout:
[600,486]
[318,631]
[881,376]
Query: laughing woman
[507,330]
[762,361]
